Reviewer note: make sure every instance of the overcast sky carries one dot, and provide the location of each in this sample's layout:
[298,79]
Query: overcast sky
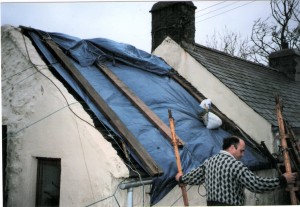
[129,22]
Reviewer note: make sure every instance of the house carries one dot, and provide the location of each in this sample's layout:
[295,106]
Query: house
[45,136]
[250,87]
[101,135]
[244,91]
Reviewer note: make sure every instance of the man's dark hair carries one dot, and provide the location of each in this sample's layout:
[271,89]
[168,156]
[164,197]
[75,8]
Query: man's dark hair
[232,140]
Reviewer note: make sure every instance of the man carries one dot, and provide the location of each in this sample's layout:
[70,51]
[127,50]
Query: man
[226,177]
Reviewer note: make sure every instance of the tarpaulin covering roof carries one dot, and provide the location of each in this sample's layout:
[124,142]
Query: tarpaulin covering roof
[147,76]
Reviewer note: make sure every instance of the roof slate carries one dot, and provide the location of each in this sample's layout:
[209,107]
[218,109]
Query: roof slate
[253,83]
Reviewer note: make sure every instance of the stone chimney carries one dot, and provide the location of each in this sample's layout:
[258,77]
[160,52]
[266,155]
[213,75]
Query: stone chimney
[286,61]
[175,19]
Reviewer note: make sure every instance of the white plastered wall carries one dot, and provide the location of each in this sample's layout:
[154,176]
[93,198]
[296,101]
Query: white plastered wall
[211,87]
[40,124]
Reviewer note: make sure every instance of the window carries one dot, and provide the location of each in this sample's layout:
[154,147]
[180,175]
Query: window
[48,182]
[4,164]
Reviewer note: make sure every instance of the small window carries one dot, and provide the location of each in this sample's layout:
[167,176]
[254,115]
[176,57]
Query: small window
[48,182]
[4,164]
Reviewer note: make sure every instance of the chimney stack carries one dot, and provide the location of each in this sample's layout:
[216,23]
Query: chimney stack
[286,61]
[174,19]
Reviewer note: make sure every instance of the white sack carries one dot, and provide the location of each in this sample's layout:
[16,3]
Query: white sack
[212,121]
[205,104]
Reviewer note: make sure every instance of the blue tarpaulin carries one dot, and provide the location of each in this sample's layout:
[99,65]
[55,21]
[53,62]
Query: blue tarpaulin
[148,77]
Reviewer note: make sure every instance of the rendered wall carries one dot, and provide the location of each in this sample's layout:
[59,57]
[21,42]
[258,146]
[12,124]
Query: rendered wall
[40,124]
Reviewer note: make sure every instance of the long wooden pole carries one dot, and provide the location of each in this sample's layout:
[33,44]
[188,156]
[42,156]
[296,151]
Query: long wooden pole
[286,158]
[178,162]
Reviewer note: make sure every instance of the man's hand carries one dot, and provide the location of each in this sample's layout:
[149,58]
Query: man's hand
[178,175]
[290,177]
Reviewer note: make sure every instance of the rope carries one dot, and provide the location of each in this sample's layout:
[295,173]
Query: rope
[85,163]
[41,119]
[180,196]
[113,195]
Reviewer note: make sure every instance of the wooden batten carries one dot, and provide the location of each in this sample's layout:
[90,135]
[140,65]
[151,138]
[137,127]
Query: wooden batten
[150,165]
[147,112]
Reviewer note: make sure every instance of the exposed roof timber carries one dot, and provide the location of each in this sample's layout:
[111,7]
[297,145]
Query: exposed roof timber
[151,166]
[152,117]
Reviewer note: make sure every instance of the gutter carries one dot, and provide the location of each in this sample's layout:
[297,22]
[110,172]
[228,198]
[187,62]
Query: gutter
[133,184]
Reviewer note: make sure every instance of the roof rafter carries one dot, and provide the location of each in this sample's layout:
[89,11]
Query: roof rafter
[151,166]
[152,117]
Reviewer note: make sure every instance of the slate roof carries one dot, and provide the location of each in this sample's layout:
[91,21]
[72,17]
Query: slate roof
[253,83]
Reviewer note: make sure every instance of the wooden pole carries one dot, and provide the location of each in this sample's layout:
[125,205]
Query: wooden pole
[286,158]
[177,156]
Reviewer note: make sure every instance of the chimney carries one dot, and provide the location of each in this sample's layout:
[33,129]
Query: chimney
[175,19]
[286,61]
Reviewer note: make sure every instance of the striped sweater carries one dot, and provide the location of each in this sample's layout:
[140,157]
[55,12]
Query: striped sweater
[226,178]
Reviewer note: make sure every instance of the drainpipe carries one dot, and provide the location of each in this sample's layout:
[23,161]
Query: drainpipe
[130,197]
[130,185]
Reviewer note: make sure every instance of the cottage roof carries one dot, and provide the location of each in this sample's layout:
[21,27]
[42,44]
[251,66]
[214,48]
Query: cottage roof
[82,65]
[253,83]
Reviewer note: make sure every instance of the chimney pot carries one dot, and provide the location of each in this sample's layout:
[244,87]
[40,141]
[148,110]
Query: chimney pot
[175,19]
[286,61]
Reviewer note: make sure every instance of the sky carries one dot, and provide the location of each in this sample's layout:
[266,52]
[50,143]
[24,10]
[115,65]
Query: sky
[129,21]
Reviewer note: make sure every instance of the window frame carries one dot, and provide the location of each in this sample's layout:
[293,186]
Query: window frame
[43,162]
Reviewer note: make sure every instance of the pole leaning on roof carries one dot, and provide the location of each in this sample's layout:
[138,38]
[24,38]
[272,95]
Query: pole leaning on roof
[177,156]
[283,136]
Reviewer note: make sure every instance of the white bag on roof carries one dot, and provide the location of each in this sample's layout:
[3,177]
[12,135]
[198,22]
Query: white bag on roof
[211,121]
[205,104]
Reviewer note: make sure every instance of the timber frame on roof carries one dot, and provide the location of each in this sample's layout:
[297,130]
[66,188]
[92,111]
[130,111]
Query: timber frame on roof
[150,165]
[135,169]
[139,104]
